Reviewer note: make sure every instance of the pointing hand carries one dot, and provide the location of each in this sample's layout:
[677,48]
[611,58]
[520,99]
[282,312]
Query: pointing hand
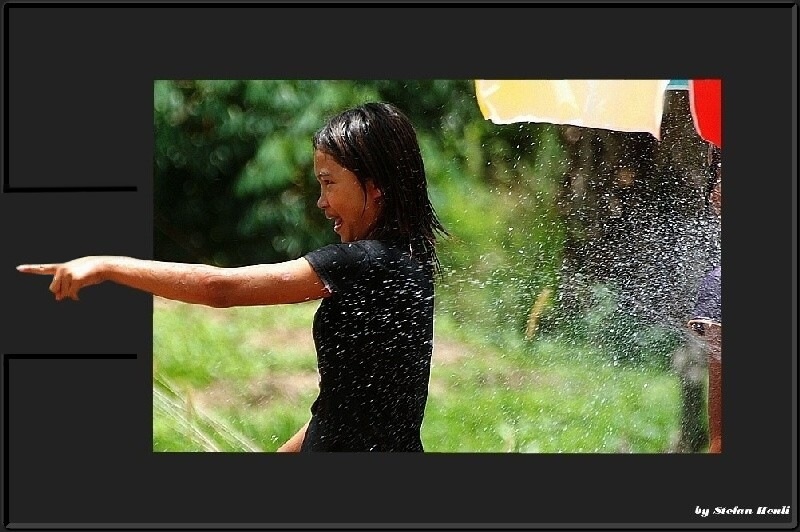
[69,277]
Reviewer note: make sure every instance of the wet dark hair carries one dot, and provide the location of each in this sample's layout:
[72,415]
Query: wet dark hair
[377,142]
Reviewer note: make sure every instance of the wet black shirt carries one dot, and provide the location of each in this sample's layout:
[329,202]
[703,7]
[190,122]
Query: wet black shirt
[374,339]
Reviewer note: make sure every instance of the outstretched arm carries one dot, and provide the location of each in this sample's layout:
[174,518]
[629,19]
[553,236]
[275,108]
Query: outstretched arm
[263,284]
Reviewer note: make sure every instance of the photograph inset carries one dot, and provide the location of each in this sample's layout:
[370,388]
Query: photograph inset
[565,236]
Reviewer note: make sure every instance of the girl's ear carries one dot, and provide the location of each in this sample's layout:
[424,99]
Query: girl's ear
[373,191]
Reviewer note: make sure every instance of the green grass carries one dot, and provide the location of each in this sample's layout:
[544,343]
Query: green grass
[243,379]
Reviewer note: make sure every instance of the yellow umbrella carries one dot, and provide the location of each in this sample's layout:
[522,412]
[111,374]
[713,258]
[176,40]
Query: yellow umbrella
[617,105]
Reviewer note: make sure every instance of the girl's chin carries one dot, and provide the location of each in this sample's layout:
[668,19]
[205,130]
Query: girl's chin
[342,236]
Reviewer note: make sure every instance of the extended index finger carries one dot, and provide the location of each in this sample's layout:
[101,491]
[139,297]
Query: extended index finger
[39,269]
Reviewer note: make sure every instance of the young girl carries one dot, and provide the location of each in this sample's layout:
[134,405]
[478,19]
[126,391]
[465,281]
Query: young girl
[373,330]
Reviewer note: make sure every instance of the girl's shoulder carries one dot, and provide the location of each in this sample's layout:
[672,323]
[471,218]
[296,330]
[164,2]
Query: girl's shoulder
[362,253]
[377,247]
[370,254]
[359,248]
[383,250]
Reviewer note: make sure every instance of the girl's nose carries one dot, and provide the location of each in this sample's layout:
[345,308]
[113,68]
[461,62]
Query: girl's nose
[322,203]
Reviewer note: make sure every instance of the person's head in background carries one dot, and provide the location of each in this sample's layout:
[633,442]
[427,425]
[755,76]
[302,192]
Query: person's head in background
[714,182]
[376,144]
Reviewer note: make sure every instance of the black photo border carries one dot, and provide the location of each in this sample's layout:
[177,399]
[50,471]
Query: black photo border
[77,425]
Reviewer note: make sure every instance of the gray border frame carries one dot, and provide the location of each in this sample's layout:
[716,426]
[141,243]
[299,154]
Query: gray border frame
[45,224]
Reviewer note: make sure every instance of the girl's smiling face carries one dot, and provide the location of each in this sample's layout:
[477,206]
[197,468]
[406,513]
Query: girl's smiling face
[354,209]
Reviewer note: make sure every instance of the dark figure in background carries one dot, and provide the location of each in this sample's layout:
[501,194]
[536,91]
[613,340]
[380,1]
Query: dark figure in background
[706,321]
[373,330]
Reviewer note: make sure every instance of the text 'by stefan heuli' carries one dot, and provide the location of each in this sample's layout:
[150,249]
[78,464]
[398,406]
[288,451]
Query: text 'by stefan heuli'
[738,510]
